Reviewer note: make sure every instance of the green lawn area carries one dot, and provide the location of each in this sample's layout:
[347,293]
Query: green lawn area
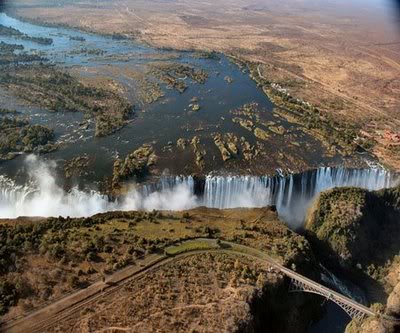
[191,246]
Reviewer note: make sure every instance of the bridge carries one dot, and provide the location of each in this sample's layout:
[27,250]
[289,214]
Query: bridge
[351,307]
[43,318]
[300,283]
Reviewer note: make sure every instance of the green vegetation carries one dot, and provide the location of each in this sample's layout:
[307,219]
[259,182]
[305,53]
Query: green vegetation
[55,90]
[10,48]
[8,55]
[86,51]
[76,166]
[77,38]
[149,91]
[136,164]
[11,32]
[55,255]
[17,135]
[7,112]
[337,208]
[349,224]
[336,135]
[8,296]
[174,75]
[206,55]
[190,246]
[118,36]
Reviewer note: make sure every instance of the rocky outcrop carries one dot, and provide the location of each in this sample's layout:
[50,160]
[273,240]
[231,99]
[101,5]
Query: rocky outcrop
[199,152]
[182,143]
[249,152]
[135,164]
[225,154]
[393,302]
[387,322]
[228,79]
[195,107]
[261,134]
[247,124]
[228,145]
[273,127]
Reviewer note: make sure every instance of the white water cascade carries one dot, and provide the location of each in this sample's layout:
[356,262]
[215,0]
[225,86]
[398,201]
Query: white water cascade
[291,194]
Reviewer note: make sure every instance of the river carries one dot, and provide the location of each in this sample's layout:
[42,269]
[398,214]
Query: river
[31,185]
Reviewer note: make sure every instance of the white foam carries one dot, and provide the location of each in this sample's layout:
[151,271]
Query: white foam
[292,194]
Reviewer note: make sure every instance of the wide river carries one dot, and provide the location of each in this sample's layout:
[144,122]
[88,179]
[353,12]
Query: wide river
[31,185]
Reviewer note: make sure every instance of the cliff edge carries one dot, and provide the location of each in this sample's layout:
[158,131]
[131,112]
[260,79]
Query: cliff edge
[359,231]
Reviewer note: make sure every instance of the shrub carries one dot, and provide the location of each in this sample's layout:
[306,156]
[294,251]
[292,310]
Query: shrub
[8,296]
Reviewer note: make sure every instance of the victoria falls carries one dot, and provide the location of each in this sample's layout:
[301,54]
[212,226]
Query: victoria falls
[215,188]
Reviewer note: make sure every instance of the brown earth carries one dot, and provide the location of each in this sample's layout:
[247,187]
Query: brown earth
[201,293]
[341,57]
[47,259]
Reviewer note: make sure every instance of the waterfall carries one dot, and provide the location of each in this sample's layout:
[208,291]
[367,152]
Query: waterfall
[48,200]
[291,194]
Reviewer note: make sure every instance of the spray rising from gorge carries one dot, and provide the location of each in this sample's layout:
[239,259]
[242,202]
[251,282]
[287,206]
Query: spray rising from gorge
[291,194]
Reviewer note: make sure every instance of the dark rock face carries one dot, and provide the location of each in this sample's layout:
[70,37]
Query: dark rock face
[273,309]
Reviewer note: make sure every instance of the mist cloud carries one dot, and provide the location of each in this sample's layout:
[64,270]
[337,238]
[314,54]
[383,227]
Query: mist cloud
[45,198]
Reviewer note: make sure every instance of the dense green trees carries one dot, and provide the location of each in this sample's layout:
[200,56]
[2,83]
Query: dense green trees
[17,135]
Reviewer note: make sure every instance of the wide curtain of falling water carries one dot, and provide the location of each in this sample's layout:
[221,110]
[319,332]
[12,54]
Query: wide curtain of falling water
[292,194]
